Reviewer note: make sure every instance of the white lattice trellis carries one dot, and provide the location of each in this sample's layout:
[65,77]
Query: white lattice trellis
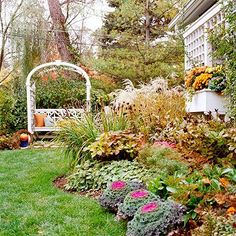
[54,114]
[197,47]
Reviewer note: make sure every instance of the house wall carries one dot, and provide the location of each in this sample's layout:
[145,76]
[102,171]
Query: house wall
[197,47]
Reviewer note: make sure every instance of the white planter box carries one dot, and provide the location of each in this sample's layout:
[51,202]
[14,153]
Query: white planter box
[206,101]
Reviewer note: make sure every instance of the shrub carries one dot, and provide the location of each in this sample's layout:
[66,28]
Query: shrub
[133,201]
[5,142]
[13,113]
[94,175]
[163,159]
[115,193]
[230,135]
[155,218]
[216,225]
[196,189]
[61,97]
[203,136]
[116,145]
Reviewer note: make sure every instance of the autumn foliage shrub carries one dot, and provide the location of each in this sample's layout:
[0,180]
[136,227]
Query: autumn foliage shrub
[116,145]
[163,159]
[206,137]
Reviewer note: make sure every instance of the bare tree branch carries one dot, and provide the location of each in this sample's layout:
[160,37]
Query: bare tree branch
[4,31]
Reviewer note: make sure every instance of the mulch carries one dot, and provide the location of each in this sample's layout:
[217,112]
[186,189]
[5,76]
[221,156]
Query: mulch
[61,181]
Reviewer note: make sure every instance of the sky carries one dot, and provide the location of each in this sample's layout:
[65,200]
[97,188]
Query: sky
[100,8]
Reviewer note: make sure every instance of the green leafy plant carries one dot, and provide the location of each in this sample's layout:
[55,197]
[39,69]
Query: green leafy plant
[133,201]
[82,178]
[116,145]
[224,49]
[162,159]
[156,218]
[164,185]
[96,175]
[115,193]
[217,84]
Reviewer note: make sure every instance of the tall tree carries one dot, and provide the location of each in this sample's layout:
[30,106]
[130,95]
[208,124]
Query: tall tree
[136,43]
[10,9]
[61,35]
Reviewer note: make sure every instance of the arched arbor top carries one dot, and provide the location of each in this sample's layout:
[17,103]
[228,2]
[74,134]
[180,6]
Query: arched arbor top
[54,114]
[58,63]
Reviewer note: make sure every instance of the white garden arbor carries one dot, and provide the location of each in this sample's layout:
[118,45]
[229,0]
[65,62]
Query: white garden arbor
[54,114]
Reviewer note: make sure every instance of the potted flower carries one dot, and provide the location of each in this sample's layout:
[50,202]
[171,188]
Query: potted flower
[205,86]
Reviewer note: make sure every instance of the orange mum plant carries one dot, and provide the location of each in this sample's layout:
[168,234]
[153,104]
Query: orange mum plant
[205,77]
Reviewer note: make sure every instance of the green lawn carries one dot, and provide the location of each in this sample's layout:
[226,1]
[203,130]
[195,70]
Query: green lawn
[31,205]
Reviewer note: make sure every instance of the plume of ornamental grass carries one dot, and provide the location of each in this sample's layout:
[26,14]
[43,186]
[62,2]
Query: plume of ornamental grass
[129,94]
[151,107]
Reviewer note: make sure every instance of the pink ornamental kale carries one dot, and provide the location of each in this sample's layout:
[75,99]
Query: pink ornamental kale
[117,185]
[133,201]
[115,193]
[141,193]
[149,207]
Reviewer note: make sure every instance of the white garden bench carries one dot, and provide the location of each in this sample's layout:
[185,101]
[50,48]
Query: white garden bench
[54,115]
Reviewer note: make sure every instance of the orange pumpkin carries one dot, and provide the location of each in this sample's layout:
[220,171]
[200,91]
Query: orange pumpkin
[24,137]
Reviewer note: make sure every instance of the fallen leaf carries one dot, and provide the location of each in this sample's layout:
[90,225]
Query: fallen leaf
[231,211]
[220,199]
[224,182]
[206,181]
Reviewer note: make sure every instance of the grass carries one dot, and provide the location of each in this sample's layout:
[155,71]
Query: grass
[31,205]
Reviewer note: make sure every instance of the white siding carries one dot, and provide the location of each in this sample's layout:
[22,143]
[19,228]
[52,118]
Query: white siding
[197,47]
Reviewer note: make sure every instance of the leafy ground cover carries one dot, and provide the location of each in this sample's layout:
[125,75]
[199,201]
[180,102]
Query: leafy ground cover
[31,205]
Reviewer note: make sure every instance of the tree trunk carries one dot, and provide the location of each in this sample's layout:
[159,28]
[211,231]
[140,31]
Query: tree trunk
[147,23]
[60,34]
